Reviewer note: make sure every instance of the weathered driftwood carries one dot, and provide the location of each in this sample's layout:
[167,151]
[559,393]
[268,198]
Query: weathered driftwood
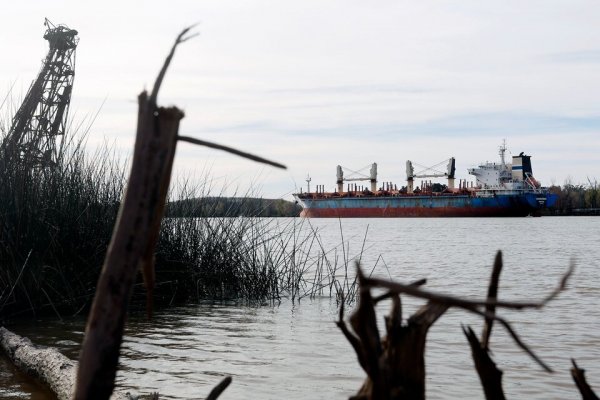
[578,375]
[45,364]
[132,243]
[395,364]
[134,239]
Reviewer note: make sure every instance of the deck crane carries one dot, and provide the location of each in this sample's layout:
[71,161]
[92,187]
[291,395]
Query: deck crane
[37,128]
[431,172]
[357,176]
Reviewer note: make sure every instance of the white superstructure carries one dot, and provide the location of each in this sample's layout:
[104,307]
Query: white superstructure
[502,176]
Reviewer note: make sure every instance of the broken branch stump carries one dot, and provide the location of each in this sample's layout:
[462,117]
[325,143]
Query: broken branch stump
[395,363]
[132,241]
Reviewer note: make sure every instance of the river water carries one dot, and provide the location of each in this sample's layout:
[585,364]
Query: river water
[295,351]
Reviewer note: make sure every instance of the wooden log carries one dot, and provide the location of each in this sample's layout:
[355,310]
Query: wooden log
[45,364]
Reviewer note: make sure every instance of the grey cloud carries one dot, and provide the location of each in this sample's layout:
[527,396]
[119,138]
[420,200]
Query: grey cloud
[582,56]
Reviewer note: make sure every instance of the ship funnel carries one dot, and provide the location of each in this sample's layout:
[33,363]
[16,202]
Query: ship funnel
[521,167]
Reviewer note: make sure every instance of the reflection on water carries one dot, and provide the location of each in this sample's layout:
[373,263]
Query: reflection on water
[16,386]
[184,352]
[296,351]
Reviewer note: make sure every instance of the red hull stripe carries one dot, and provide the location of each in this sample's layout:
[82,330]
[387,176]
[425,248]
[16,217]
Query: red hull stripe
[414,212]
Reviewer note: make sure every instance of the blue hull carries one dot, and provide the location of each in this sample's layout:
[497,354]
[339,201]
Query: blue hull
[442,205]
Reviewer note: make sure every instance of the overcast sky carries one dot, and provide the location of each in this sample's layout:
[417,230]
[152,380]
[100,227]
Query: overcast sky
[314,84]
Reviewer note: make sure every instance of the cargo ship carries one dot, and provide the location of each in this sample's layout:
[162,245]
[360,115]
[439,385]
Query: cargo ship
[500,189]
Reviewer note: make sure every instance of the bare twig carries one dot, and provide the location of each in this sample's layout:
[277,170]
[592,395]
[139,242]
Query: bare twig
[390,294]
[217,390]
[473,306]
[161,75]
[563,284]
[492,296]
[230,150]
[512,333]
[454,301]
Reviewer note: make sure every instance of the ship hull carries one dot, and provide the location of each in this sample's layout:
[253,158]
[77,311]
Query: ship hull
[426,206]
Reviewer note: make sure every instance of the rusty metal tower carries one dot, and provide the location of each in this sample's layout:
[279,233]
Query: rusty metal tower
[37,129]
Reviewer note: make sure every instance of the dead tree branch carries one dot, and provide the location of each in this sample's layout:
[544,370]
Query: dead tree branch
[395,364]
[475,305]
[217,390]
[230,150]
[578,375]
[134,238]
[489,375]
[416,291]
[492,296]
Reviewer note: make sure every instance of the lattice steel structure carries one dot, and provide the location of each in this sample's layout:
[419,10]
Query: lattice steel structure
[36,132]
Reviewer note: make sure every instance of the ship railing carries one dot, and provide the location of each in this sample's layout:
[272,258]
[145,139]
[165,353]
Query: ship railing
[490,192]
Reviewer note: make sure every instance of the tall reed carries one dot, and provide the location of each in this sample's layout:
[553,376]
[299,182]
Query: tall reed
[248,258]
[55,224]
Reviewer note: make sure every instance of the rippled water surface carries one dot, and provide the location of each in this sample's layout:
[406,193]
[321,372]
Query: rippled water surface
[295,351]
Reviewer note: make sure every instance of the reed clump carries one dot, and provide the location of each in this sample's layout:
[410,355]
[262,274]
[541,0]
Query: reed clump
[249,259]
[56,222]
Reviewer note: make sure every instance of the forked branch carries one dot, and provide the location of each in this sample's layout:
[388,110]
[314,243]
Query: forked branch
[475,305]
[395,363]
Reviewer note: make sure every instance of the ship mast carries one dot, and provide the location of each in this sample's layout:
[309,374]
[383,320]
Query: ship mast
[502,151]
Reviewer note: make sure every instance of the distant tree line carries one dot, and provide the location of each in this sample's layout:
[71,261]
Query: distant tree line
[232,207]
[577,199]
